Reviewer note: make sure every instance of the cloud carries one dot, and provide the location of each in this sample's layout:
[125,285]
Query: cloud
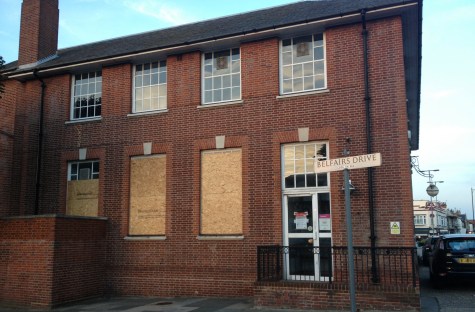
[161,11]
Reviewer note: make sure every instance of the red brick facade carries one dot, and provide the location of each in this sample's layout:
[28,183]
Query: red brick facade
[48,260]
[182,264]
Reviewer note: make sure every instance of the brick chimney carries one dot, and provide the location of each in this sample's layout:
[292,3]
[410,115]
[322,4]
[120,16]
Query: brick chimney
[38,30]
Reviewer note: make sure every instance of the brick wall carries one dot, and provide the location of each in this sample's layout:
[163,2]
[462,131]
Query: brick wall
[181,264]
[49,260]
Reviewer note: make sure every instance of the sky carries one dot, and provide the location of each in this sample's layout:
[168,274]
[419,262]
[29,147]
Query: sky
[447,124]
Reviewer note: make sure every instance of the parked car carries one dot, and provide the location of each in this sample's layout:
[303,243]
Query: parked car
[427,249]
[453,256]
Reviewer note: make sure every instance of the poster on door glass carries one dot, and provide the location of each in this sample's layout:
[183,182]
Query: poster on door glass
[324,222]
[301,220]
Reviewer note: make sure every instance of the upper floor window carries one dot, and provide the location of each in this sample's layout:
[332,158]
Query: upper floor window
[302,64]
[419,219]
[150,87]
[87,96]
[221,76]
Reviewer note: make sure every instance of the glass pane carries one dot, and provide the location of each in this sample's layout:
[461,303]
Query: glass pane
[322,179]
[319,67]
[154,79]
[227,94]
[287,87]
[321,151]
[226,81]
[162,104]
[301,257]
[138,106]
[138,94]
[300,218]
[299,166]
[146,80]
[310,150]
[146,104]
[217,82]
[162,90]
[154,103]
[286,58]
[318,53]
[319,82]
[236,80]
[208,70]
[311,180]
[286,45]
[287,72]
[300,180]
[236,93]
[308,83]
[308,69]
[290,181]
[146,68]
[217,95]
[318,39]
[236,68]
[163,65]
[235,54]
[154,68]
[163,77]
[299,151]
[208,96]
[297,71]
[324,216]
[298,84]
[146,92]
[154,92]
[325,256]
[208,83]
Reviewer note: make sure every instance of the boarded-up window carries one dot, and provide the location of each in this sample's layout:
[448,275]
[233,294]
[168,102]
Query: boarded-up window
[147,195]
[221,192]
[83,188]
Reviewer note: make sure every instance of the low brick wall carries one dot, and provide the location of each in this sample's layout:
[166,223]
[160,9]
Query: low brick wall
[51,259]
[324,296]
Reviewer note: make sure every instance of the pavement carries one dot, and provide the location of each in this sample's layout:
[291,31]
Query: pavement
[140,304]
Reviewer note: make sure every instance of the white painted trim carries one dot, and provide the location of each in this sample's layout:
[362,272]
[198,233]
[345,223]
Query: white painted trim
[230,103]
[145,238]
[220,237]
[147,113]
[91,119]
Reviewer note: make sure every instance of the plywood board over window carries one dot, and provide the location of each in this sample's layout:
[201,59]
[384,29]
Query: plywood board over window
[147,195]
[83,198]
[221,192]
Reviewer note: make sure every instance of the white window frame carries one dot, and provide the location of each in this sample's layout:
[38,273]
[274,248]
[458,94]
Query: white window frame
[208,80]
[418,218]
[306,165]
[94,174]
[160,87]
[292,64]
[95,93]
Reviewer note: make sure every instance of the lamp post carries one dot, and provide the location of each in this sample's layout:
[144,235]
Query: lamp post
[473,213]
[432,190]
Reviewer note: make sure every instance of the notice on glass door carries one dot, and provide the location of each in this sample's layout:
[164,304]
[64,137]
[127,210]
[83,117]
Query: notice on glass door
[324,222]
[301,220]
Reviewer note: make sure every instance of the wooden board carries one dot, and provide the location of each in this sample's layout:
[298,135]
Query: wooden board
[83,198]
[147,195]
[221,192]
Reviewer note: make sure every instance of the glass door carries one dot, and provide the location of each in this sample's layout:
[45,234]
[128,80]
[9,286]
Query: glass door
[307,234]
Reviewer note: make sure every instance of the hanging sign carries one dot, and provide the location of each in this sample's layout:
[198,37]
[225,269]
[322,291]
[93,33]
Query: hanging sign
[350,162]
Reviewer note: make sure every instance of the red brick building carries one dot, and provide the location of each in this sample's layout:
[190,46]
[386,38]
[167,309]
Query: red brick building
[158,164]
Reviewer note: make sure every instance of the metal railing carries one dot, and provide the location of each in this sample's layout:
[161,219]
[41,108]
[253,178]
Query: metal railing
[395,266]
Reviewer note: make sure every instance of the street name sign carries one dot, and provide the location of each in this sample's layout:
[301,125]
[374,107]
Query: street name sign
[350,162]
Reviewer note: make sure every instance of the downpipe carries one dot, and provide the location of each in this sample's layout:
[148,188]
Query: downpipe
[40,144]
[367,98]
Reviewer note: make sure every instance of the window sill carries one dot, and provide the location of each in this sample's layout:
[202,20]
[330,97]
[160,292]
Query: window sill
[230,103]
[145,238]
[220,237]
[155,112]
[302,93]
[84,120]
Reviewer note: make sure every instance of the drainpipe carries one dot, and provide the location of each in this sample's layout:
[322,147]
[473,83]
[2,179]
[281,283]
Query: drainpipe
[40,143]
[367,98]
